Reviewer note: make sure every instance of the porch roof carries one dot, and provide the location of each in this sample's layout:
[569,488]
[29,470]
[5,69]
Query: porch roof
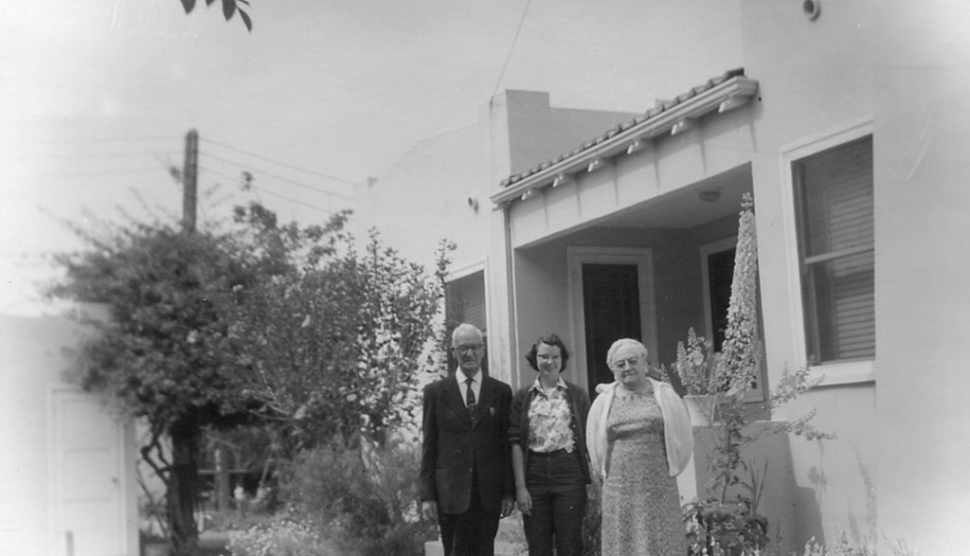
[722,93]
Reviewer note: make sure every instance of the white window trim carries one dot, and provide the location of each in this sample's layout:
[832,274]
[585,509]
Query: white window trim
[465,270]
[575,258]
[706,250]
[839,372]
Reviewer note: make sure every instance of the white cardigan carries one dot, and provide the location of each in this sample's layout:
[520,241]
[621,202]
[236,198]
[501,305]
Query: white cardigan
[678,434]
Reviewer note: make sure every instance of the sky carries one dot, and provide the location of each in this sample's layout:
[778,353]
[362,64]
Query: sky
[96,98]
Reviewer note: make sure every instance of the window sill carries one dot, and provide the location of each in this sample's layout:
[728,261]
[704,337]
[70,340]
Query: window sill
[846,372]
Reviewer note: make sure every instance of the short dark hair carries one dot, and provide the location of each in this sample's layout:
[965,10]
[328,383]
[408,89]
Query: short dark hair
[552,340]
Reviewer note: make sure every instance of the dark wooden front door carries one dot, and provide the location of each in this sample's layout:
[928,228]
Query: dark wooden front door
[611,306]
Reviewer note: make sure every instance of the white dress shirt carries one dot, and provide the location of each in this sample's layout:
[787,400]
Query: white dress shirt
[463,385]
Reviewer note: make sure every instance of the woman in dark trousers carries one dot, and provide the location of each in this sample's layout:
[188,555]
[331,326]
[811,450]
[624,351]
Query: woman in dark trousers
[549,456]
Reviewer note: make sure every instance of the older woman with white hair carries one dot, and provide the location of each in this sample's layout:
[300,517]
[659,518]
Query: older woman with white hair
[639,439]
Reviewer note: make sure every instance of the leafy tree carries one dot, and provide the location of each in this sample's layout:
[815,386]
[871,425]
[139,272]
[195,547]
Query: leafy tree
[265,322]
[334,346]
[162,354]
[229,9]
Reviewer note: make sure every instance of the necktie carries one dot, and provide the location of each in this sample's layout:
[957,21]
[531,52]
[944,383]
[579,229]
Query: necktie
[469,394]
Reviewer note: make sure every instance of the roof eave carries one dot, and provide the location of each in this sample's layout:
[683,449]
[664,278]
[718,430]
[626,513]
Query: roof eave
[733,93]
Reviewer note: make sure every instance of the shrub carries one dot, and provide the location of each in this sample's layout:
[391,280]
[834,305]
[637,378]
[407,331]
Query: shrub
[729,528]
[282,537]
[843,547]
[367,493]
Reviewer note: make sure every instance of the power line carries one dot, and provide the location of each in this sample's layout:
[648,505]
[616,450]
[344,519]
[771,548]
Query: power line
[291,166]
[114,139]
[228,177]
[276,176]
[294,201]
[114,154]
[218,173]
[234,178]
[258,190]
[511,48]
[104,173]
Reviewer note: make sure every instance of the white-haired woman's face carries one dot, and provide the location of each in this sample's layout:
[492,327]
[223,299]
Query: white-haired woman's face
[629,368]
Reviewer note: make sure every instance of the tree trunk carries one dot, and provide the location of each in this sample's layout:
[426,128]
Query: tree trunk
[183,486]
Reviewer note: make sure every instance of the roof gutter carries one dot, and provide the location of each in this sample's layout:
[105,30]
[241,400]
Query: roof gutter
[733,93]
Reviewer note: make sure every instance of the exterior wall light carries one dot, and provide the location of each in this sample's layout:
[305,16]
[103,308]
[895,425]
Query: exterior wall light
[709,195]
[812,9]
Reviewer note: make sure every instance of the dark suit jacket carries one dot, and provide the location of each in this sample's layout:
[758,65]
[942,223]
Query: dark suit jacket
[578,401]
[456,442]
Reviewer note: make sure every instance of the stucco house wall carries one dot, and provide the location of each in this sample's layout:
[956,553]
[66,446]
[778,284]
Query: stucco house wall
[896,467]
[815,78]
[440,188]
[922,115]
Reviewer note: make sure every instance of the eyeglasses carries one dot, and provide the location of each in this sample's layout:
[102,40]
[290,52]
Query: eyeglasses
[467,347]
[624,363]
[548,357]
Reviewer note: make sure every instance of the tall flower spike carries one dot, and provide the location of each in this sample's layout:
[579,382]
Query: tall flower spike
[741,348]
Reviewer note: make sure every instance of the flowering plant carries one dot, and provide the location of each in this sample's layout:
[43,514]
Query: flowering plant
[729,528]
[727,522]
[696,366]
[281,537]
[731,371]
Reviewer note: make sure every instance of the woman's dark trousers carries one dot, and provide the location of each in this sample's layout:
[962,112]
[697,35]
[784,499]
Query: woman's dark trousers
[558,490]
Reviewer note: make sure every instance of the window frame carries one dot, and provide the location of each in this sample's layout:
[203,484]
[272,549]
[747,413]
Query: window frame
[834,372]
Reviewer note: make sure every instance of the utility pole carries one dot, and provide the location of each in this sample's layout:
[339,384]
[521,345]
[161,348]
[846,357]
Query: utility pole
[189,183]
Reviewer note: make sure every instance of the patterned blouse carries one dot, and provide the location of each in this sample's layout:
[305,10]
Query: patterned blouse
[550,419]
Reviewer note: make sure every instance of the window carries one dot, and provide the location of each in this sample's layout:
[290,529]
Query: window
[465,303]
[833,194]
[465,300]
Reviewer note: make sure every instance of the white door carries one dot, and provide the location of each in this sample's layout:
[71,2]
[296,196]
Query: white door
[88,477]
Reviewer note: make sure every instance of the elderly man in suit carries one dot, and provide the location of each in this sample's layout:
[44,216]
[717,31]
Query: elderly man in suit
[466,469]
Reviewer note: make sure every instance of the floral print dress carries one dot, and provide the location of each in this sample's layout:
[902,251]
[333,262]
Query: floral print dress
[641,504]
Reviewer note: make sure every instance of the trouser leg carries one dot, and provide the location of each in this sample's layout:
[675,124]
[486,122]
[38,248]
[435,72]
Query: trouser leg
[446,524]
[474,531]
[538,525]
[568,509]
[558,490]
